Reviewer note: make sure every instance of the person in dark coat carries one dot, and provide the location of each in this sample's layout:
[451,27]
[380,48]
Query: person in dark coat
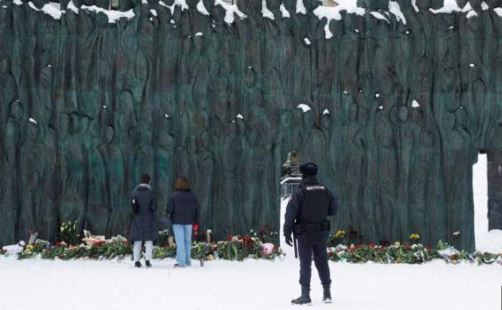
[183,209]
[306,218]
[144,206]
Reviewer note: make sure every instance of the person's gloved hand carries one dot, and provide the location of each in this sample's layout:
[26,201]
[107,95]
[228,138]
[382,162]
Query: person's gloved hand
[289,240]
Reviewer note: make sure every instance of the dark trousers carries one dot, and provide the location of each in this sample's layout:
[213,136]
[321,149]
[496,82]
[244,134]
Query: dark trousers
[307,247]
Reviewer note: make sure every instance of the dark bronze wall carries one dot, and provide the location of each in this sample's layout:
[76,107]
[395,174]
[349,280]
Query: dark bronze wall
[109,102]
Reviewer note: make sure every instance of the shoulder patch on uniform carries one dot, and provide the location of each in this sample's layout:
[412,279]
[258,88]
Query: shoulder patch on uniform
[315,188]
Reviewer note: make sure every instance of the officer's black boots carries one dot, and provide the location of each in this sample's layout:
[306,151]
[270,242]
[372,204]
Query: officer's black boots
[305,298]
[326,295]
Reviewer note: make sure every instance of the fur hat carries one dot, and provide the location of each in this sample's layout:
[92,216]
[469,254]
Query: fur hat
[308,169]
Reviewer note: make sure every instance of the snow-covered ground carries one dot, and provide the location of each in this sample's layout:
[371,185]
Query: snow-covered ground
[90,285]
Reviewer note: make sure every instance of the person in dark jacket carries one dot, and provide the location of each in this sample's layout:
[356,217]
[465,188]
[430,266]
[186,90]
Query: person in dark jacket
[144,206]
[306,218]
[183,209]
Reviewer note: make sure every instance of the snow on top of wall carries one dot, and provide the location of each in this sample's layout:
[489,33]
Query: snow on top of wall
[472,14]
[285,12]
[72,7]
[202,8]
[379,15]
[451,6]
[52,8]
[300,7]
[231,10]
[414,4]
[113,15]
[395,10]
[304,107]
[333,13]
[265,11]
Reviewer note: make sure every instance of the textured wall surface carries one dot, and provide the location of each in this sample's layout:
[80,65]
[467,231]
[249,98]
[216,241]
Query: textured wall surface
[398,113]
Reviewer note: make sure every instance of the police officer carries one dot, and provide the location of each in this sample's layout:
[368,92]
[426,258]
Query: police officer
[306,218]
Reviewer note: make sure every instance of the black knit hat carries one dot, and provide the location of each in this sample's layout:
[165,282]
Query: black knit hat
[308,169]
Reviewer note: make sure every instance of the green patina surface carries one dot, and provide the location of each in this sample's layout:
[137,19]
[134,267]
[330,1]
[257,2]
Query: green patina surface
[410,106]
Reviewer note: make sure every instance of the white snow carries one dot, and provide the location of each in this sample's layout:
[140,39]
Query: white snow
[239,116]
[414,4]
[266,13]
[250,285]
[33,121]
[395,10]
[307,41]
[202,9]
[471,14]
[379,15]
[300,7]
[486,241]
[472,65]
[18,2]
[285,12]
[334,13]
[326,112]
[199,34]
[52,8]
[153,12]
[231,10]
[484,6]
[415,104]
[450,6]
[304,107]
[166,115]
[113,15]
[498,11]
[72,7]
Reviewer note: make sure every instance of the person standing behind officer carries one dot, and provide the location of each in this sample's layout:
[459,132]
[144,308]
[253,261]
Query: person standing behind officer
[144,205]
[183,210]
[306,218]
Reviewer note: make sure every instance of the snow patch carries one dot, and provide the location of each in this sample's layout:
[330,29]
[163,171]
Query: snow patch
[231,10]
[154,12]
[307,41]
[33,121]
[472,14]
[333,13]
[472,65]
[265,12]
[304,107]
[18,2]
[379,15]
[202,8]
[450,6]
[484,6]
[199,34]
[326,112]
[395,10]
[415,104]
[300,7]
[166,115]
[113,15]
[414,4]
[72,7]
[498,11]
[285,12]
[239,116]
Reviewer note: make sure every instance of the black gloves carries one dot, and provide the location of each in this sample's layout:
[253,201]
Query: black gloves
[289,240]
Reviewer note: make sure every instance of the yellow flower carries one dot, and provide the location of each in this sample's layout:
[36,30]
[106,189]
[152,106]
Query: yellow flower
[340,234]
[414,237]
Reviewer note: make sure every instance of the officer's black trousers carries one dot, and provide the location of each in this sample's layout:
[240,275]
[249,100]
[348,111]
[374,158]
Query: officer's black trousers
[306,248]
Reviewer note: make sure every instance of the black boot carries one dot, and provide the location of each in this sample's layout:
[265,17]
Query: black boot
[137,264]
[326,295]
[305,298]
[147,264]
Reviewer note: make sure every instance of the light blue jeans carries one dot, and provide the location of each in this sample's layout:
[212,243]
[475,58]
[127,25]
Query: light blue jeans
[183,237]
